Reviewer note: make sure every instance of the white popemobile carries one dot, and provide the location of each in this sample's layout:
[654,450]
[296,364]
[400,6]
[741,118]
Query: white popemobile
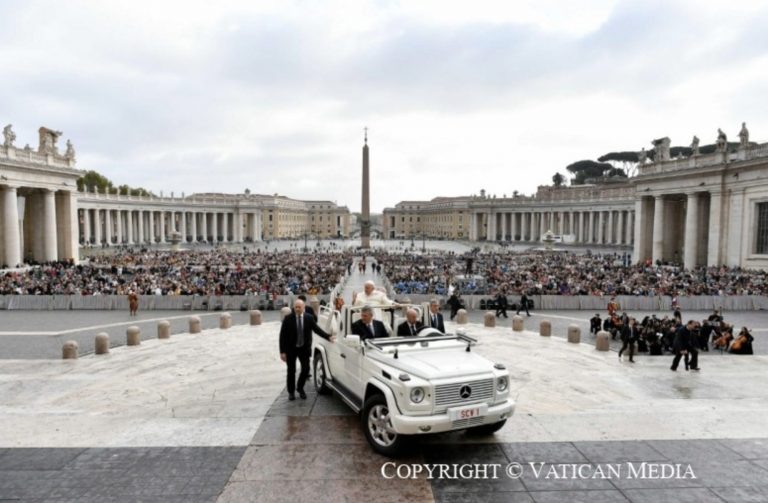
[428,383]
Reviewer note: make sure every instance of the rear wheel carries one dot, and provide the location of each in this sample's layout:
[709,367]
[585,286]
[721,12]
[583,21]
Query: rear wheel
[378,427]
[486,429]
[320,375]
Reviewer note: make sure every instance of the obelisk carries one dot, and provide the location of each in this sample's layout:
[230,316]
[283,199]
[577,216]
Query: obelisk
[365,217]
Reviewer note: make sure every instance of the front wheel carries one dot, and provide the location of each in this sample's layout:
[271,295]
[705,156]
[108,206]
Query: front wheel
[487,429]
[378,427]
[319,375]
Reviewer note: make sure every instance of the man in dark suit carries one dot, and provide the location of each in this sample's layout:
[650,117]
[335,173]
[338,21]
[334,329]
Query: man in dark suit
[435,316]
[411,325]
[368,328]
[523,303]
[296,342]
[501,305]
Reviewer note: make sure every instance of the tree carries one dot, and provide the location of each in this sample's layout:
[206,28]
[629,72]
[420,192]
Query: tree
[558,180]
[93,180]
[582,170]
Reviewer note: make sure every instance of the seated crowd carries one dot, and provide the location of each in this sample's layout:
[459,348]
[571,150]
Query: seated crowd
[198,272]
[537,273]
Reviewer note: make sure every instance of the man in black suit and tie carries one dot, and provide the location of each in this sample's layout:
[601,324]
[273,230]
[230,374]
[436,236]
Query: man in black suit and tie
[435,316]
[411,325]
[296,342]
[368,328]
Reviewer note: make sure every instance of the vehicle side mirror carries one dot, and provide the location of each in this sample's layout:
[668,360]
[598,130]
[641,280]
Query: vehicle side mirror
[352,341]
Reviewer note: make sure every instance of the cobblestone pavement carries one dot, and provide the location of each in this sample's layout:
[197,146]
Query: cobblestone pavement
[314,450]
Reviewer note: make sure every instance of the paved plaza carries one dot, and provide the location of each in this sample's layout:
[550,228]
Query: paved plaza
[205,417]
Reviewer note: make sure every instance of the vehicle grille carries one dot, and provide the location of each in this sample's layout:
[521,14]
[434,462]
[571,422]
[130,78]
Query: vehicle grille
[448,395]
[466,423]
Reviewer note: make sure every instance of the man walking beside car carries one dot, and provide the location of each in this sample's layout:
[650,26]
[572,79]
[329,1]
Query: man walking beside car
[296,342]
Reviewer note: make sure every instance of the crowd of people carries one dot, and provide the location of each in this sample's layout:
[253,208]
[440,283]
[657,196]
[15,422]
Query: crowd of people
[191,272]
[655,336]
[541,273]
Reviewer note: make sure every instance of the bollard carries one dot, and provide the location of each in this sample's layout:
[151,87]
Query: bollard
[574,334]
[545,328]
[164,329]
[133,336]
[102,343]
[461,317]
[518,325]
[284,312]
[489,319]
[225,321]
[194,325]
[69,350]
[603,341]
[256,317]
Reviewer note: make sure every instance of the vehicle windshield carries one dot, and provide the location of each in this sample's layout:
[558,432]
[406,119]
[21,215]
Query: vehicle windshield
[437,341]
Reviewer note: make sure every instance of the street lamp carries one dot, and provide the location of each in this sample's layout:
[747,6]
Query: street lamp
[423,243]
[305,242]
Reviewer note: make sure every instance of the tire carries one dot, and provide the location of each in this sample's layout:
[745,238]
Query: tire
[319,375]
[486,429]
[378,427]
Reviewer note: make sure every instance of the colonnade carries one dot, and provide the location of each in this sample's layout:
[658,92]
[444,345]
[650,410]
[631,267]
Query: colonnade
[136,226]
[679,227]
[611,226]
[37,225]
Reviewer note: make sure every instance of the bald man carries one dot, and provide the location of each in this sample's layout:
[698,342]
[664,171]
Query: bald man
[411,325]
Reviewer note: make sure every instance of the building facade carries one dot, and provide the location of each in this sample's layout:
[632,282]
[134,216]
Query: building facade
[580,214]
[43,216]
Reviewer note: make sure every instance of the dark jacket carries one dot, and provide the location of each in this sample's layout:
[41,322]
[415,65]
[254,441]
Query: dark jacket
[404,329]
[440,324]
[359,328]
[288,332]
[683,340]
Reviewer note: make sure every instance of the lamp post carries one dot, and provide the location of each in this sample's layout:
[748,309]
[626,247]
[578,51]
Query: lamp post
[423,242]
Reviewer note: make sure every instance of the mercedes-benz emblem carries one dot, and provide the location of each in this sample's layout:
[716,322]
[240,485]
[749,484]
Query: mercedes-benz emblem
[465,391]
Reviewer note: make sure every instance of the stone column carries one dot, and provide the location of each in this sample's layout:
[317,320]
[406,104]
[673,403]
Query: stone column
[140,227]
[204,225]
[583,235]
[513,226]
[97,226]
[163,216]
[108,226]
[691,245]
[67,225]
[542,225]
[658,229]
[609,230]
[11,234]
[638,249]
[193,225]
[119,217]
[129,219]
[572,224]
[715,229]
[600,228]
[50,244]
[86,226]
[215,227]
[151,226]
[620,228]
[183,226]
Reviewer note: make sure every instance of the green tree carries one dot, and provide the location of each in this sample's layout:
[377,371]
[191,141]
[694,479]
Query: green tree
[583,170]
[558,180]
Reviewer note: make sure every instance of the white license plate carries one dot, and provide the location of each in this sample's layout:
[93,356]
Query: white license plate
[469,412]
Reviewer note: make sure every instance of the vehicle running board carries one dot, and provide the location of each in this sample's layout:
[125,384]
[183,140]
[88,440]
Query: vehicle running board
[355,403]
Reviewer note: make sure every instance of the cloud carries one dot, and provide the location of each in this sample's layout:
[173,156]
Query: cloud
[188,97]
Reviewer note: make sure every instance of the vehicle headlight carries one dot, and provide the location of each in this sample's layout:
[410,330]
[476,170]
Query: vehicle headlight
[501,384]
[417,395]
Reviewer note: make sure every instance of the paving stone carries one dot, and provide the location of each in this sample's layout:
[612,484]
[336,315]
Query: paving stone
[689,495]
[607,496]
[693,451]
[619,451]
[547,452]
[37,458]
[742,494]
[753,448]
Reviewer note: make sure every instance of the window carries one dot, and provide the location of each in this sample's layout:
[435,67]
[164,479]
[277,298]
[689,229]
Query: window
[762,228]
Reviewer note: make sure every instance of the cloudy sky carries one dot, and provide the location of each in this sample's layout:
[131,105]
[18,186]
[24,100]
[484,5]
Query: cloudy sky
[459,96]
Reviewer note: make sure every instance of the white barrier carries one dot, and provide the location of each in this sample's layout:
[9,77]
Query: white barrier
[251,302]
